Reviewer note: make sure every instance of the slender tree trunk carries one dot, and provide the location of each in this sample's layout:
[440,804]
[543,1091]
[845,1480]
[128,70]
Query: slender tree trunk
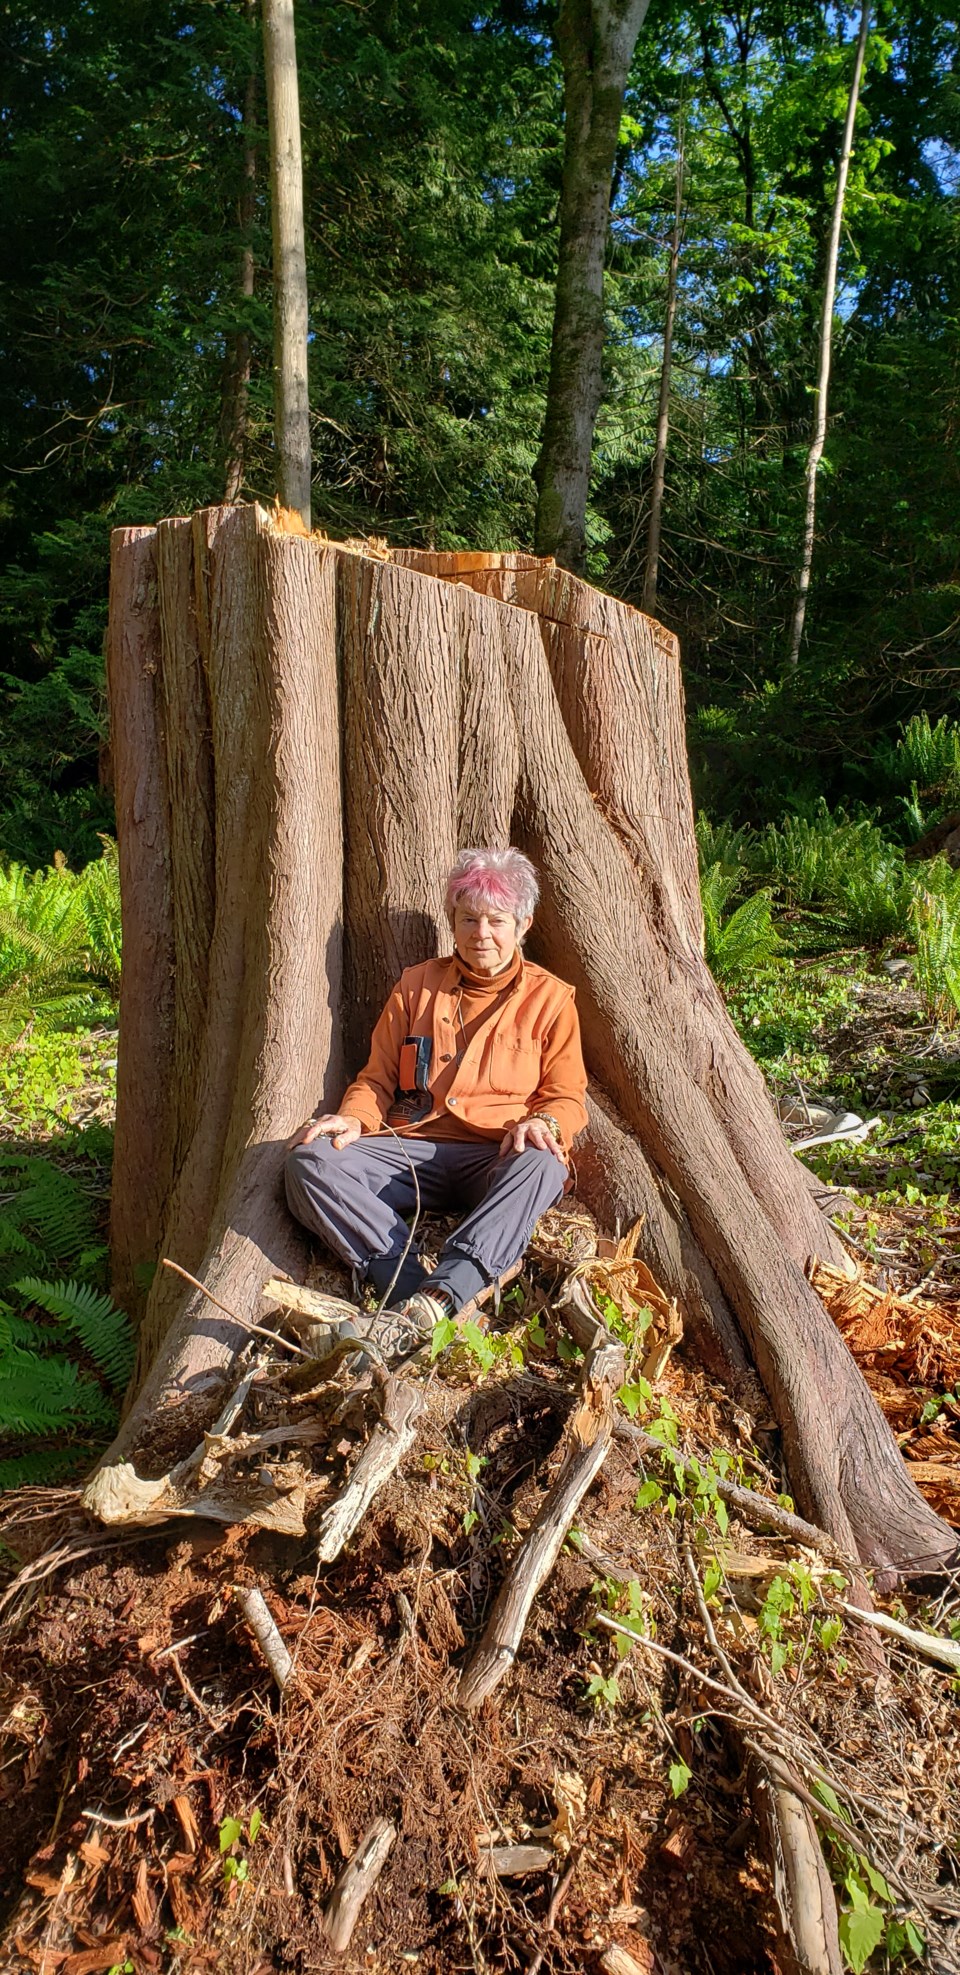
[291,401]
[596,40]
[819,431]
[548,715]
[663,407]
[236,392]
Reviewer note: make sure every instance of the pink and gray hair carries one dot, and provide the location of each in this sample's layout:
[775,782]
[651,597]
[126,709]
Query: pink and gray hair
[500,880]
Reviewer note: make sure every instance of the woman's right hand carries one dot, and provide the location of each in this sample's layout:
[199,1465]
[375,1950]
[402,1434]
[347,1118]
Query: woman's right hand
[335,1125]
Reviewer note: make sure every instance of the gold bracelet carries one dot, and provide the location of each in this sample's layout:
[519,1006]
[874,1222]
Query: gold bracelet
[547,1118]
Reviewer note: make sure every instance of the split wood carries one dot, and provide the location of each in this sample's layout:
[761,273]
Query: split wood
[394,1433]
[586,1442]
[356,1882]
[256,1611]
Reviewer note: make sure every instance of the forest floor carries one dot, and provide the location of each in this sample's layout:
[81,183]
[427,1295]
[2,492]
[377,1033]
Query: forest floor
[166,1811]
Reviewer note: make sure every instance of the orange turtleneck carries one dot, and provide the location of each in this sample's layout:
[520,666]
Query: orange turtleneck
[478,996]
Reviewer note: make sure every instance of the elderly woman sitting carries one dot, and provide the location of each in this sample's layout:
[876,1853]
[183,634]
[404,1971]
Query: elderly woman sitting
[476,1064]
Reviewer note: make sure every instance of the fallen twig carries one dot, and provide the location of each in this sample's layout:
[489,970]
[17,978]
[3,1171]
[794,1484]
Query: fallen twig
[587,1437]
[356,1882]
[931,1644]
[256,1611]
[256,1330]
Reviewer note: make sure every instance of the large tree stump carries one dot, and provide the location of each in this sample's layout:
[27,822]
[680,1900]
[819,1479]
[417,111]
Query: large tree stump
[304,733]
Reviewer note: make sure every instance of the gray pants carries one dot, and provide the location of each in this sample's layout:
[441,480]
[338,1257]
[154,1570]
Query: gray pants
[357,1199]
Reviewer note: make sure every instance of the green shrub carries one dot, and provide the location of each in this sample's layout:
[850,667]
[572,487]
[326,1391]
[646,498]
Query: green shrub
[742,943]
[925,759]
[59,940]
[842,869]
[935,917]
[720,843]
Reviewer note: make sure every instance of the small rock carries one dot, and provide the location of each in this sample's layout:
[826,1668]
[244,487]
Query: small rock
[920,1095]
[898,970]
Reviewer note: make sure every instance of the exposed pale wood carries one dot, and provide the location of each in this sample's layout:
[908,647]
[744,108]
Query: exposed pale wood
[616,1960]
[393,1434]
[515,1861]
[356,1883]
[805,1903]
[586,1443]
[263,1625]
[315,1304]
[930,1645]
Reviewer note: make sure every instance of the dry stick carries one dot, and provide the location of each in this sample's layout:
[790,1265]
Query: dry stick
[587,1437]
[257,1614]
[190,1690]
[932,1645]
[256,1330]
[533,1967]
[393,1434]
[802,1891]
[356,1882]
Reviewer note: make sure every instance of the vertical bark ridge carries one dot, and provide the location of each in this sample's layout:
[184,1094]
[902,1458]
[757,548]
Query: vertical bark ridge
[189,765]
[400,660]
[489,749]
[146,1084]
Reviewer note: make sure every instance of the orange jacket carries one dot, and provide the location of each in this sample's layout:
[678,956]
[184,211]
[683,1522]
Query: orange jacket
[525,1057]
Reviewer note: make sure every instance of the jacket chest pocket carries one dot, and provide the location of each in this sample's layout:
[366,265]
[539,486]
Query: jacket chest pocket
[514,1066]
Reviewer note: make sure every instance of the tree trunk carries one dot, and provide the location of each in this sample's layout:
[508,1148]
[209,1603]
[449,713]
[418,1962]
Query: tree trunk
[291,400]
[652,562]
[236,382]
[595,40]
[819,432]
[480,698]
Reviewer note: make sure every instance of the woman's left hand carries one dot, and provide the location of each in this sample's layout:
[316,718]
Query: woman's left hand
[532,1132]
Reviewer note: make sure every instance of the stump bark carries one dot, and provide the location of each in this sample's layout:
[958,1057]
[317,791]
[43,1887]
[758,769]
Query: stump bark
[305,733]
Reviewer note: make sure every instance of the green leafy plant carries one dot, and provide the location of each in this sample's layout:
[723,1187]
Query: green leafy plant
[233,1832]
[744,941]
[59,939]
[935,921]
[66,1351]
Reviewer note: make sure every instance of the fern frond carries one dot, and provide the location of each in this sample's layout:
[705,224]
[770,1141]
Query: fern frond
[55,1209]
[49,1395]
[104,1331]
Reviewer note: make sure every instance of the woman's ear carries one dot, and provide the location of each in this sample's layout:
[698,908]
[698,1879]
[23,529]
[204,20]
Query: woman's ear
[523,927]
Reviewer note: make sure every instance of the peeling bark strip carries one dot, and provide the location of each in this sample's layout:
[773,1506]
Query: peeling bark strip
[482,697]
[803,1893]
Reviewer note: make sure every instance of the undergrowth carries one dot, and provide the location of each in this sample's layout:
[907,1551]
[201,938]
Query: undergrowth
[66,1351]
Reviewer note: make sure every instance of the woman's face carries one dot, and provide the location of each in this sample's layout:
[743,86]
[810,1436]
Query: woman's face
[485,937]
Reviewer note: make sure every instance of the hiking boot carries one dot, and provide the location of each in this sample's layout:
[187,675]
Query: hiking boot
[404,1329]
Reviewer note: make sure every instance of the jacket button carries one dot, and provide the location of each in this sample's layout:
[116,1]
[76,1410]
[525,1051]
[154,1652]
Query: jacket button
[445,1059]
[452,1100]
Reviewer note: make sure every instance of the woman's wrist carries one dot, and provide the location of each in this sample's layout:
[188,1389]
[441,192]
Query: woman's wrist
[546,1118]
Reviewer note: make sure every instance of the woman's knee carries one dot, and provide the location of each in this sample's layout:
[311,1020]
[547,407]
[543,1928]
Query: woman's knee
[305,1170]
